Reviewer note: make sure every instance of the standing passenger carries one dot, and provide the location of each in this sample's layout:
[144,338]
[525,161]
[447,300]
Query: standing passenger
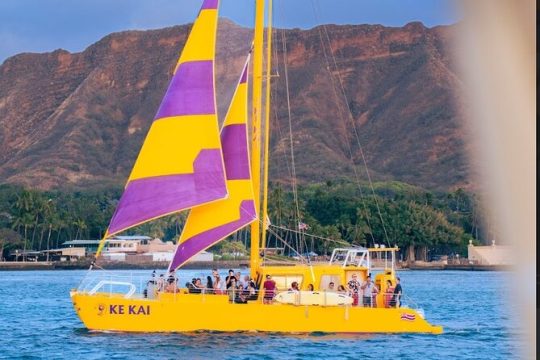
[396,300]
[219,285]
[389,293]
[209,285]
[369,290]
[229,279]
[161,283]
[354,287]
[269,287]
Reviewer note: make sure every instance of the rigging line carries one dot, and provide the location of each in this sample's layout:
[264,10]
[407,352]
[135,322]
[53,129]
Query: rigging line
[356,133]
[286,244]
[314,236]
[293,166]
[341,116]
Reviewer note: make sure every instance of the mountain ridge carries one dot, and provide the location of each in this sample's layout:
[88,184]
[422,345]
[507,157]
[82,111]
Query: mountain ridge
[80,118]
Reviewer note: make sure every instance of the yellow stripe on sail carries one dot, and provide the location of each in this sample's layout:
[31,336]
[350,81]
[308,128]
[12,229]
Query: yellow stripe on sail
[193,51]
[215,214]
[238,111]
[173,144]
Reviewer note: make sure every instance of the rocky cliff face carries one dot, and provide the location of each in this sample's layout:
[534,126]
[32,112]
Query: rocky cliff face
[81,118]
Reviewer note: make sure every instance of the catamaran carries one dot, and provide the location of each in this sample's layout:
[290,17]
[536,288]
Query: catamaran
[187,162]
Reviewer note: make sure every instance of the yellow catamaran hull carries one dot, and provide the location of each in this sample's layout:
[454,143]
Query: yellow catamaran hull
[195,312]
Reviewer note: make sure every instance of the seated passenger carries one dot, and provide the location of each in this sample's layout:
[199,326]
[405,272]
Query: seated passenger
[198,286]
[341,290]
[294,286]
[171,286]
[252,291]
[239,297]
[331,287]
[310,287]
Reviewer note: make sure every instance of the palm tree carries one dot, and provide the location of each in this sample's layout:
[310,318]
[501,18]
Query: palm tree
[81,225]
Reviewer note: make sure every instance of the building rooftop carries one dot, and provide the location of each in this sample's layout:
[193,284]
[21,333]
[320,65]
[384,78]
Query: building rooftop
[82,242]
[132,237]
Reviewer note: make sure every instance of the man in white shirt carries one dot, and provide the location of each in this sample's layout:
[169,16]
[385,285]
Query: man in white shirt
[370,290]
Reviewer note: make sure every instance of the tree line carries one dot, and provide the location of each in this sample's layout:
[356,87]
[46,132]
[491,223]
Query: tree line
[420,222]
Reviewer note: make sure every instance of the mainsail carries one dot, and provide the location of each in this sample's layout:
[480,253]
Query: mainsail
[210,223]
[180,164]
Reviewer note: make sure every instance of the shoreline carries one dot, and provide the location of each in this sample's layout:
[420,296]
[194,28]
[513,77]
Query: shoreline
[220,264]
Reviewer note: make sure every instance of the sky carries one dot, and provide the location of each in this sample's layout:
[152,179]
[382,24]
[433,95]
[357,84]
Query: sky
[73,25]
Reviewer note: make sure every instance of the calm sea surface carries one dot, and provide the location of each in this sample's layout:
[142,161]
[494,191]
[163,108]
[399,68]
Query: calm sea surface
[37,321]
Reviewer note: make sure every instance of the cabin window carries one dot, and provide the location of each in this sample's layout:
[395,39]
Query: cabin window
[327,279]
[283,282]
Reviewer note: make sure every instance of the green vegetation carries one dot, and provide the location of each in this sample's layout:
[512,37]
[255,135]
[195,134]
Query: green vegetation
[420,222]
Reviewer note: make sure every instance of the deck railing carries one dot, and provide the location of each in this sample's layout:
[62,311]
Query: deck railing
[139,286]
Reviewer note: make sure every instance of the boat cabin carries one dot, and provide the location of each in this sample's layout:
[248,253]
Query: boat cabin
[343,264]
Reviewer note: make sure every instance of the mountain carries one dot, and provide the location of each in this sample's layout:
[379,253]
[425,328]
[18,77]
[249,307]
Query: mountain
[80,118]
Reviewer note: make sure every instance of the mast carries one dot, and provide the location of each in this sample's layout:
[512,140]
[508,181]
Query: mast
[266,152]
[256,130]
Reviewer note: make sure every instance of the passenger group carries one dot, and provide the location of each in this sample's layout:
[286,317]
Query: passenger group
[241,290]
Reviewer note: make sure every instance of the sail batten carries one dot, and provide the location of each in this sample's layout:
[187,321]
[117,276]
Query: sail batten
[180,164]
[210,223]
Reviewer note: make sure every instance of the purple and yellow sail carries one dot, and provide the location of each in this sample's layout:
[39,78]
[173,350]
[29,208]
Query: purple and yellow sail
[210,223]
[180,164]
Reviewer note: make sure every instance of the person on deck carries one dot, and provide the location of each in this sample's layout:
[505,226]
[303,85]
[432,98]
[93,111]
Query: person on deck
[354,288]
[252,291]
[269,287]
[171,287]
[239,280]
[209,285]
[294,286]
[199,285]
[310,287]
[388,294]
[161,283]
[239,297]
[246,282]
[370,290]
[396,299]
[331,287]
[219,285]
[230,279]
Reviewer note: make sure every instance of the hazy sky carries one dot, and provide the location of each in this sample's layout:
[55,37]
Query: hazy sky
[46,25]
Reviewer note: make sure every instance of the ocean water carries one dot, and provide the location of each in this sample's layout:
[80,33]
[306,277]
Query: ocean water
[37,321]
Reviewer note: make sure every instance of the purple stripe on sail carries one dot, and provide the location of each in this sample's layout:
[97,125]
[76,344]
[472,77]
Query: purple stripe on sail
[243,78]
[199,242]
[235,153]
[210,4]
[148,198]
[191,91]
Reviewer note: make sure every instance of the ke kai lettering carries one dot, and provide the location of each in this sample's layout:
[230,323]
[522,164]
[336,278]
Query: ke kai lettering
[130,309]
